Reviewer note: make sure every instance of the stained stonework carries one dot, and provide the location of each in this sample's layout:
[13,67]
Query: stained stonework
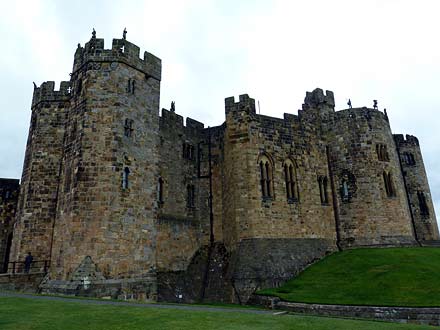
[132,203]
[417,191]
[9,189]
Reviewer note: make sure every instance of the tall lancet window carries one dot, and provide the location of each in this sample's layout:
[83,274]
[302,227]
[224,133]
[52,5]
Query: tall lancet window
[125,174]
[291,180]
[265,177]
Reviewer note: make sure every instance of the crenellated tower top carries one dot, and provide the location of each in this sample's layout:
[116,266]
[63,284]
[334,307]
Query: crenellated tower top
[47,93]
[122,51]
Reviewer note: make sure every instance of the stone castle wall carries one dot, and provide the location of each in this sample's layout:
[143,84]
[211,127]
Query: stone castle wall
[108,203]
[182,225]
[368,216]
[41,173]
[129,203]
[9,190]
[417,185]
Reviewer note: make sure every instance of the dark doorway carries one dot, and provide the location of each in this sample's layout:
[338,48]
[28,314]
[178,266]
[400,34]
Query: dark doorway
[8,250]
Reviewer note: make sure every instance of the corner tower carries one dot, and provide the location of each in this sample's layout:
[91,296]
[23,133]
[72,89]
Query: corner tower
[37,202]
[104,228]
[417,187]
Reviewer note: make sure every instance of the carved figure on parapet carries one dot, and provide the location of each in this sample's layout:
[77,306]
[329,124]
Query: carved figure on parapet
[349,104]
[93,34]
[375,104]
[173,106]
[124,34]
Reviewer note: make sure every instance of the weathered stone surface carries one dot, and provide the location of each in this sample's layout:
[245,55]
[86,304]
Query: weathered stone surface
[9,189]
[29,283]
[268,262]
[428,316]
[127,202]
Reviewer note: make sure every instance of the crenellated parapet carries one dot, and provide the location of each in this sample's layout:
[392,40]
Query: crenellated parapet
[47,93]
[318,100]
[245,103]
[172,120]
[408,140]
[122,51]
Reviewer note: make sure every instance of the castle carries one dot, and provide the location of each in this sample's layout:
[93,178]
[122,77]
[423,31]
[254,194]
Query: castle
[124,202]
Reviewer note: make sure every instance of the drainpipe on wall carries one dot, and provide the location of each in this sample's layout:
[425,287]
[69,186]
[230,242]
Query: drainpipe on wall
[211,218]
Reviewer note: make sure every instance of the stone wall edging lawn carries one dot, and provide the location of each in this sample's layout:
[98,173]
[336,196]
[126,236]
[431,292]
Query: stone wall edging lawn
[416,315]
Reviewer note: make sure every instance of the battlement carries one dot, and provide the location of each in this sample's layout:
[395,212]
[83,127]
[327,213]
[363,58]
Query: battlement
[172,119]
[408,140]
[245,103]
[361,112]
[47,93]
[318,100]
[122,51]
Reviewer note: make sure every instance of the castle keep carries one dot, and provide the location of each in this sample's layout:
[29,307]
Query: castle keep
[126,202]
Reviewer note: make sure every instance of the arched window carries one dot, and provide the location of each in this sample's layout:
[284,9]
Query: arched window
[78,86]
[131,85]
[382,152]
[160,191]
[323,183]
[188,151]
[409,158]
[345,193]
[389,185]
[265,177]
[291,180]
[325,190]
[424,210]
[190,196]
[125,174]
[128,127]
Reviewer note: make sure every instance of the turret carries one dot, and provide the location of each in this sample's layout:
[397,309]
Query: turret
[107,204]
[41,171]
[417,187]
[318,100]
[122,51]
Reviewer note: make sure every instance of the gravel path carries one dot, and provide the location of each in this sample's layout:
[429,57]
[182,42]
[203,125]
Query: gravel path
[133,304]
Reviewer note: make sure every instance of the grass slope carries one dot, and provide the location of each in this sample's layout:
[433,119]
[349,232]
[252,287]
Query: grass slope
[383,277]
[27,314]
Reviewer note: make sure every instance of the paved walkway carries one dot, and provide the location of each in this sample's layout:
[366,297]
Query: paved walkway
[133,304]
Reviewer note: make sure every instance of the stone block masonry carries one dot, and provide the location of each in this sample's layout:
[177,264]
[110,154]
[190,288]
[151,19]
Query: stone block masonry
[128,202]
[9,190]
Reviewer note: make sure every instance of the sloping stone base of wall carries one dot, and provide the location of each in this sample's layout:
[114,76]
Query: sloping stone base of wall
[22,282]
[200,281]
[143,288]
[235,276]
[264,262]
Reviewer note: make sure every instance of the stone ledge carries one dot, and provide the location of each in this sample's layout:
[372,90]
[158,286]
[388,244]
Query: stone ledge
[418,315]
[22,282]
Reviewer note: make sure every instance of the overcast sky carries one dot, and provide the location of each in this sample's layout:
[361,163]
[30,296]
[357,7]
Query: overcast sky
[275,51]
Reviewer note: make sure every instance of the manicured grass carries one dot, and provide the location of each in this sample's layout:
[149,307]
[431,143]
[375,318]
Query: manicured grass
[382,277]
[28,313]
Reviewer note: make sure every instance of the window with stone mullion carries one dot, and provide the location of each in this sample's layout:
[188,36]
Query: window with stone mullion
[268,180]
[293,194]
[287,179]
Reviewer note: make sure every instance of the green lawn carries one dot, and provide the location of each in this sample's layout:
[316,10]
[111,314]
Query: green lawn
[385,277]
[27,314]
